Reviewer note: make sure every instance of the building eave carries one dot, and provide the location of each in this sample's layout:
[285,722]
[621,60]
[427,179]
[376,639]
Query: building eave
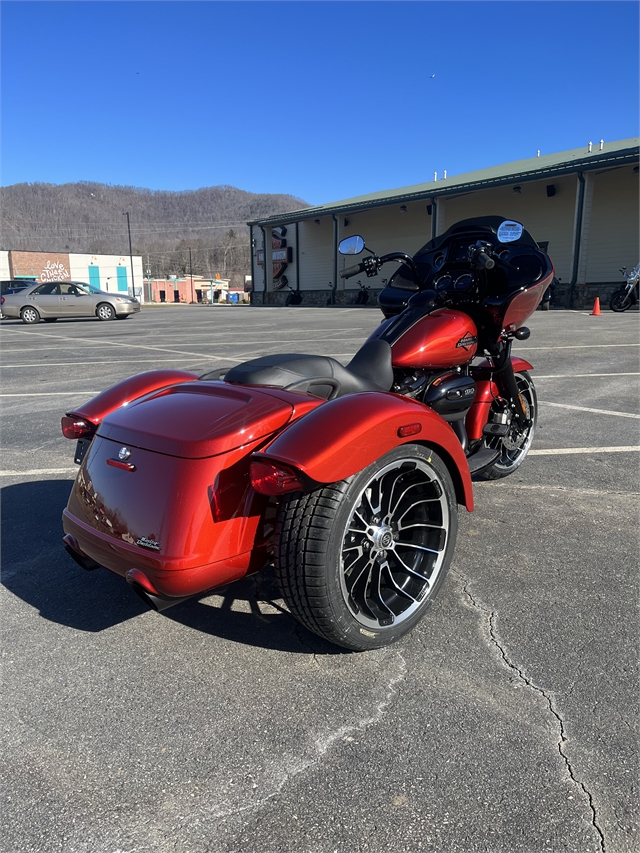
[535,169]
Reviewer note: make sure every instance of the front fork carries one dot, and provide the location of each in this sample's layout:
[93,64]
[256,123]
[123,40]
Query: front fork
[505,379]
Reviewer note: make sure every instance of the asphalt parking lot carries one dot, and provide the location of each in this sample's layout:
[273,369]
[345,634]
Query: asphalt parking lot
[506,722]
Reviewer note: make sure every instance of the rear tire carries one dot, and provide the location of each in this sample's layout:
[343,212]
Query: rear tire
[104,311]
[359,561]
[29,315]
[515,446]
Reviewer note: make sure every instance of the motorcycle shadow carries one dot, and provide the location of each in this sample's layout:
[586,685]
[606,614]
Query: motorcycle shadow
[250,612]
[36,569]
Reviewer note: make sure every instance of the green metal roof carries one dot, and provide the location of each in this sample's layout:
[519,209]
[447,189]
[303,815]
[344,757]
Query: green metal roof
[520,171]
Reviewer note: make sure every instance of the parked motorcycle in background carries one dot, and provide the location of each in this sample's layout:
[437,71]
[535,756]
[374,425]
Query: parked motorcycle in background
[628,294]
[346,478]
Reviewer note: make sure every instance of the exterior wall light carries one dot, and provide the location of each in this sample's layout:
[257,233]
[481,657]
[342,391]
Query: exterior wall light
[403,208]
[517,190]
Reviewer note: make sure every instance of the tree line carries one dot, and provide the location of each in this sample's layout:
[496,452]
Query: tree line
[89,217]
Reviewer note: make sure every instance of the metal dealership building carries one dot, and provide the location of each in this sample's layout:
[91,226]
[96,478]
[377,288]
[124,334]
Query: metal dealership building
[581,206]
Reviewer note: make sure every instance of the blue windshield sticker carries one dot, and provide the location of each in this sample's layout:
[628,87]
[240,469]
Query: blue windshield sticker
[510,231]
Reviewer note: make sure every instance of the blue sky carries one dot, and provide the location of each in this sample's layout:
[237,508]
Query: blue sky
[323,100]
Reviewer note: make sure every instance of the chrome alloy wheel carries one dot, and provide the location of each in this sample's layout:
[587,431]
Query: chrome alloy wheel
[394,543]
[515,445]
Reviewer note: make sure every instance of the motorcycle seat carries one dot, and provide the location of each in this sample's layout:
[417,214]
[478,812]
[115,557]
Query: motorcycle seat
[369,370]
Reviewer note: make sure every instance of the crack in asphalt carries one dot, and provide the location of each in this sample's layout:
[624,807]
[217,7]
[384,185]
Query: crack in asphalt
[491,617]
[321,744]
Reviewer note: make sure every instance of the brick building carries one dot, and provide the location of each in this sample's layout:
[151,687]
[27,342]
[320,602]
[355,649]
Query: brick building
[112,273]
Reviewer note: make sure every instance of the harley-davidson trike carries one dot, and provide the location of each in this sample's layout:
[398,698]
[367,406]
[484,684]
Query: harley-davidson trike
[346,479]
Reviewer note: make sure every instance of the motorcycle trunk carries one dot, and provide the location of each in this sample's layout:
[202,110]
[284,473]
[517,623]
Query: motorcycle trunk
[137,505]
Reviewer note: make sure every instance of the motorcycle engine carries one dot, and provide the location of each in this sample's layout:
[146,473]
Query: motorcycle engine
[449,394]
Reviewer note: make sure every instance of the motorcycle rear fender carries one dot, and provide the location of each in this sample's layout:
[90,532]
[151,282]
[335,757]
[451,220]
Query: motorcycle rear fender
[343,436]
[129,389]
[486,392]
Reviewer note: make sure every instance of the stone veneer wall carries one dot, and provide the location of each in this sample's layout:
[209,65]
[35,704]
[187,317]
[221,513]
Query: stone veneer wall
[318,298]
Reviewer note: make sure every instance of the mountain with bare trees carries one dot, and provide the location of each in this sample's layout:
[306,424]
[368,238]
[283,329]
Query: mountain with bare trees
[90,217]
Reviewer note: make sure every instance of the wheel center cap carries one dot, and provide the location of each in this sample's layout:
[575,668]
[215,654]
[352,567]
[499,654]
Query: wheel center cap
[386,540]
[381,537]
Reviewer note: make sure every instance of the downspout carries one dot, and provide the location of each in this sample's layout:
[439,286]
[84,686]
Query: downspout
[252,246]
[335,259]
[264,267]
[576,245]
[434,218]
[297,261]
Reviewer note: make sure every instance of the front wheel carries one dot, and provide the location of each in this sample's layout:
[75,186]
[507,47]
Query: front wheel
[515,445]
[359,561]
[620,301]
[105,311]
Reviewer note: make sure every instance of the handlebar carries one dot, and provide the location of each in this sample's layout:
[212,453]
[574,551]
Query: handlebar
[349,272]
[372,264]
[484,261]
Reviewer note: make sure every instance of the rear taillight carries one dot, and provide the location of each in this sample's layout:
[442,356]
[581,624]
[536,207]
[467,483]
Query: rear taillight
[76,428]
[2,303]
[272,478]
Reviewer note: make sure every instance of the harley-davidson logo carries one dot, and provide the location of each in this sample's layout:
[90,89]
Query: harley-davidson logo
[148,543]
[467,341]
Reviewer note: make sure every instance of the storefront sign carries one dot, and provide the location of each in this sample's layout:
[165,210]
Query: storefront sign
[281,256]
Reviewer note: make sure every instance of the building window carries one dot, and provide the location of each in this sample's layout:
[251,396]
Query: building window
[122,279]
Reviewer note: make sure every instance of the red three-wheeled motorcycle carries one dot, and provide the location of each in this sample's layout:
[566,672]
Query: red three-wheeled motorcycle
[347,478]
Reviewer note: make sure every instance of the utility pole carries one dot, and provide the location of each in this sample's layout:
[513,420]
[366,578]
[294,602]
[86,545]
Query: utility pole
[133,289]
[191,274]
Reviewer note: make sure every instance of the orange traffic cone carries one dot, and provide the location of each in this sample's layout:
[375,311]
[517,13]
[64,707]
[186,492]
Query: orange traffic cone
[596,308]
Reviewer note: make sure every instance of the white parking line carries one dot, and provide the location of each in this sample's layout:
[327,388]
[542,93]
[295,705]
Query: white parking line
[554,451]
[37,472]
[55,394]
[560,451]
[583,346]
[585,409]
[103,342]
[132,361]
[581,375]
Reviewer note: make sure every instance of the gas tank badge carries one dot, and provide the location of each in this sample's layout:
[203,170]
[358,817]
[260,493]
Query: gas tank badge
[148,543]
[124,453]
[467,341]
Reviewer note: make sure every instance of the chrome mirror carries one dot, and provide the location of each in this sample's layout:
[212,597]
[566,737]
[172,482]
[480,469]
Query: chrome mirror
[351,245]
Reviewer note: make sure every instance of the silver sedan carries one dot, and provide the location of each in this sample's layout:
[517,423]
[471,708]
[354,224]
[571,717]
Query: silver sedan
[56,299]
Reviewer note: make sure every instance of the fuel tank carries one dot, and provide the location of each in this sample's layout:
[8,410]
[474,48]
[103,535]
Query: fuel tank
[442,339]
[165,486]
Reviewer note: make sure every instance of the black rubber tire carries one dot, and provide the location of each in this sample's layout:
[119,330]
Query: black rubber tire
[29,315]
[314,538]
[511,457]
[545,306]
[620,301]
[104,311]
